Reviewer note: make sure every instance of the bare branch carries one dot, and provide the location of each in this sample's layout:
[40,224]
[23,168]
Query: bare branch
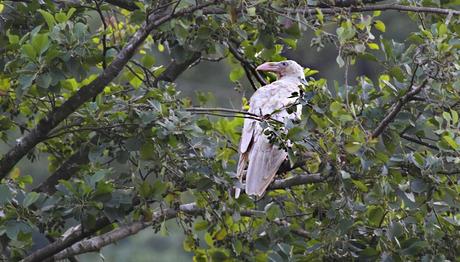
[397,108]
[381,7]
[86,93]
[297,180]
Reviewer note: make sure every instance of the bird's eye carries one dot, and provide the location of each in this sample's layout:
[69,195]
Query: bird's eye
[284,63]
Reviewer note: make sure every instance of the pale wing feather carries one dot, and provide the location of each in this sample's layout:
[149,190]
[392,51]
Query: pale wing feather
[265,159]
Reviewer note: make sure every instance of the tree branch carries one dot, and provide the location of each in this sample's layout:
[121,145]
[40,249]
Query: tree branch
[86,93]
[96,243]
[125,4]
[380,7]
[418,141]
[397,108]
[62,243]
[246,65]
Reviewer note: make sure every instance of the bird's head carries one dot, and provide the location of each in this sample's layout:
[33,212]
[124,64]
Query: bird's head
[282,69]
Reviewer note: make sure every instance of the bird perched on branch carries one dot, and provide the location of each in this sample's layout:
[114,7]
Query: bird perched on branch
[256,152]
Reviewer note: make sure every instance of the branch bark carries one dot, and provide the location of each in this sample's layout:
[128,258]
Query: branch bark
[86,93]
[367,8]
[61,243]
[397,108]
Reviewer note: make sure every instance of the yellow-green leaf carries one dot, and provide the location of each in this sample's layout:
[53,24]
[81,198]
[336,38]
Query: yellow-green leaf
[373,46]
[379,25]
[49,19]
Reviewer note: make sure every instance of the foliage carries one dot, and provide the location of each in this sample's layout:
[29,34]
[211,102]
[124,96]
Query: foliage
[387,149]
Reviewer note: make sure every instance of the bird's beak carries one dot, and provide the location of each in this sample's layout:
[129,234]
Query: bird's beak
[269,67]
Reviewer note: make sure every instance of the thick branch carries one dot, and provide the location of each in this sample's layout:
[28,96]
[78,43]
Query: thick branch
[297,180]
[64,242]
[381,7]
[86,93]
[397,108]
[174,69]
[65,171]
[98,242]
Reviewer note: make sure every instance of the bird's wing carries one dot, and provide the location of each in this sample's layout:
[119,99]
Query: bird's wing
[264,161]
[247,136]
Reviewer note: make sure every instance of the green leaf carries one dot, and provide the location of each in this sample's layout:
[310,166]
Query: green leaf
[379,25]
[13,229]
[208,239]
[61,17]
[12,39]
[375,215]
[30,199]
[201,225]
[25,81]
[49,19]
[360,185]
[397,73]
[5,194]
[449,140]
[236,73]
[148,60]
[44,80]
[373,46]
[454,116]
[29,51]
[418,186]
[273,211]
[40,42]
[335,106]
[70,12]
[352,147]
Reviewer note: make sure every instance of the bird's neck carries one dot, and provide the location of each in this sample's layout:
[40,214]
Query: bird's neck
[291,78]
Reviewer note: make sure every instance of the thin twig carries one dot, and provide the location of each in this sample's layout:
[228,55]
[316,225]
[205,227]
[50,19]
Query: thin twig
[246,63]
[104,35]
[417,141]
[397,108]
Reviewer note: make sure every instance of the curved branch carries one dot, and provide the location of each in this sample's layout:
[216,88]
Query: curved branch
[88,92]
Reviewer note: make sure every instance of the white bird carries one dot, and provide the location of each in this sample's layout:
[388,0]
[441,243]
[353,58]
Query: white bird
[256,152]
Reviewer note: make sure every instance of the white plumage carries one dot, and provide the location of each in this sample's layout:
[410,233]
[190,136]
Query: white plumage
[262,158]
